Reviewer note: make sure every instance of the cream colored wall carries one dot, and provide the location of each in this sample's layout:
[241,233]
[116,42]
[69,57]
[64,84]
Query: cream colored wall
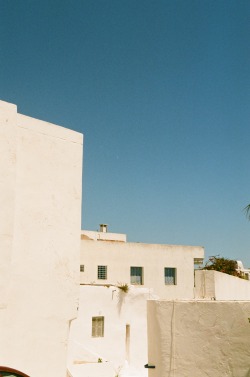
[8,145]
[120,256]
[105,369]
[106,236]
[41,168]
[199,338]
[118,309]
[219,286]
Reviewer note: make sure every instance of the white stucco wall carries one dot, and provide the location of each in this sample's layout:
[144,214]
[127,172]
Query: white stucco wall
[118,309]
[199,338]
[219,286]
[120,256]
[106,236]
[8,145]
[40,220]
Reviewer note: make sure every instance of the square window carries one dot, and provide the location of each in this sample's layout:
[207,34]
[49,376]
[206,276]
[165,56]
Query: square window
[136,275]
[198,262]
[82,268]
[102,272]
[97,327]
[170,275]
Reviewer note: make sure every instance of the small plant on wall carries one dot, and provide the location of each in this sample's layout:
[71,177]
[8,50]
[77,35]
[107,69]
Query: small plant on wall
[123,287]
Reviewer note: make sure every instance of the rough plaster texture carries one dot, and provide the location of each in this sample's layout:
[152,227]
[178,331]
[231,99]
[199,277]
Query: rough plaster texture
[40,220]
[119,309]
[120,256]
[219,286]
[199,338]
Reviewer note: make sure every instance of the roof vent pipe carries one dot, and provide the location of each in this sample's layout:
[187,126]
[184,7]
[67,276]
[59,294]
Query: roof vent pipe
[104,228]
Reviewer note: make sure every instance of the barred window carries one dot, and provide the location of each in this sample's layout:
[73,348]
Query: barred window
[136,275]
[97,327]
[102,272]
[170,275]
[82,268]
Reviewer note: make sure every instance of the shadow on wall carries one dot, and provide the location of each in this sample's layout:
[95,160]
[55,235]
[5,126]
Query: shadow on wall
[123,289]
[120,301]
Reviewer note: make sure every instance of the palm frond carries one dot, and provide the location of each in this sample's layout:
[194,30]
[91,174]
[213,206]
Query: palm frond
[247,211]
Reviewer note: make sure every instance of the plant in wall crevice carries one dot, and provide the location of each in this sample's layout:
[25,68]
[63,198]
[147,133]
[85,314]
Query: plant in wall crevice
[123,287]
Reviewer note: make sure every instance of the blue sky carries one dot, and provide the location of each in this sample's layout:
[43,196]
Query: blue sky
[161,91]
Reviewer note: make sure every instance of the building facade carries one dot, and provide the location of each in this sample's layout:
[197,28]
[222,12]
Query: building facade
[117,278]
[109,336]
[107,258]
[40,220]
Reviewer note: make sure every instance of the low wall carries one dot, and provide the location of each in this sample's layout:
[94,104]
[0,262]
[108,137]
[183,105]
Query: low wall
[218,286]
[199,338]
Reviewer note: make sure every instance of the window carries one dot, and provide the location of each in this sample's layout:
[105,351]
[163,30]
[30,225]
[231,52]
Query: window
[170,275]
[136,275]
[198,262]
[82,268]
[97,327]
[102,272]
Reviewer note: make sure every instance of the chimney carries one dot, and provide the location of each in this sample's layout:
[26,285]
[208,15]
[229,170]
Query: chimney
[103,228]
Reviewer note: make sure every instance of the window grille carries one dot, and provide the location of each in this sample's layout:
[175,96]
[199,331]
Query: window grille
[170,276]
[102,272]
[97,327]
[136,275]
[82,268]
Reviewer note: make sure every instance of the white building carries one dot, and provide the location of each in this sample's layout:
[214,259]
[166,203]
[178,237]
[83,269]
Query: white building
[167,324]
[188,328]
[40,220]
[244,272]
[112,324]
[107,258]
[111,328]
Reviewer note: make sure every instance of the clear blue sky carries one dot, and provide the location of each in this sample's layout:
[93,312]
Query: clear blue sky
[161,91]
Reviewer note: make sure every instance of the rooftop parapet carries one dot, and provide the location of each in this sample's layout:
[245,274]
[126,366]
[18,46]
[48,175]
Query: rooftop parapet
[103,236]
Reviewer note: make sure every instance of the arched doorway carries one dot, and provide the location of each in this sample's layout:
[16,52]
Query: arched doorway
[10,372]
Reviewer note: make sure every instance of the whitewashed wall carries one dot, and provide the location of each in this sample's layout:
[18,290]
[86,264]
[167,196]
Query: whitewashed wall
[8,146]
[219,286]
[40,220]
[105,236]
[199,338]
[119,309]
[120,256]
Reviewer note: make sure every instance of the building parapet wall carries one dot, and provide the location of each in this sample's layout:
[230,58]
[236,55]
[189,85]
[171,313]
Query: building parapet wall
[102,236]
[219,286]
